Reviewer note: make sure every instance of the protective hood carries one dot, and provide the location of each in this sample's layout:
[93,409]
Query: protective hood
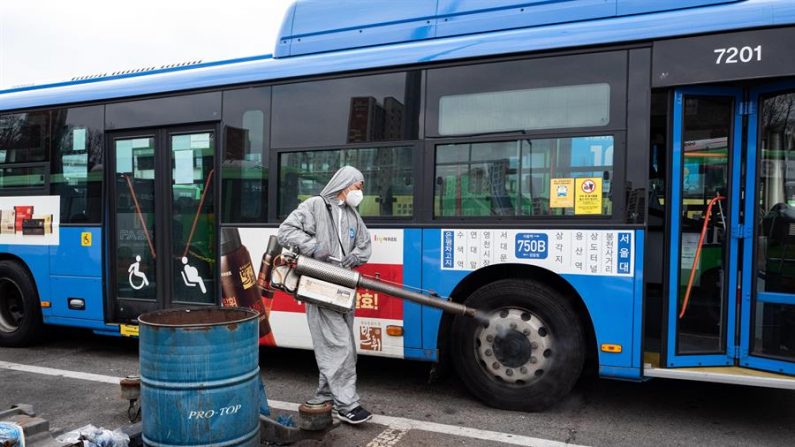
[345,177]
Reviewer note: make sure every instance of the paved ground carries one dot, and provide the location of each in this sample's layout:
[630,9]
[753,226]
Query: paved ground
[413,412]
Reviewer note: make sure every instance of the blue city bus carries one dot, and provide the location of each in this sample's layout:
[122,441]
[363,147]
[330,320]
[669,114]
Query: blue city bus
[608,179]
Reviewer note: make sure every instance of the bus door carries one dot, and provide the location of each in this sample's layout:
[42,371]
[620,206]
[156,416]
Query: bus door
[703,221]
[162,236]
[767,339]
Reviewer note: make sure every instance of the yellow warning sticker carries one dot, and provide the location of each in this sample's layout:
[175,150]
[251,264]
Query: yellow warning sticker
[128,330]
[85,239]
[561,193]
[588,196]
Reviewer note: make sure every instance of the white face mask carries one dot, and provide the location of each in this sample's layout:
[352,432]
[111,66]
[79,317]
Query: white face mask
[354,198]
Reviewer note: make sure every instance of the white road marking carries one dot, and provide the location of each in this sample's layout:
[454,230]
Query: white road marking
[387,438]
[60,373]
[466,432]
[395,423]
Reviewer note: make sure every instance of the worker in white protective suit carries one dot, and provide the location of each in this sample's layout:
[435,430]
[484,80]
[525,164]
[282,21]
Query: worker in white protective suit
[329,228]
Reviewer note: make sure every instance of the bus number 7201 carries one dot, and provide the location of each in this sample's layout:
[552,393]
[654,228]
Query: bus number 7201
[735,55]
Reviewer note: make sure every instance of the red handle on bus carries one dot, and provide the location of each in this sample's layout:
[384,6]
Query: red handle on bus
[198,211]
[140,215]
[698,255]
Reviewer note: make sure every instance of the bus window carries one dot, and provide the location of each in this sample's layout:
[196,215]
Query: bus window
[584,92]
[24,138]
[76,169]
[388,178]
[774,322]
[525,177]
[707,126]
[335,112]
[245,155]
[528,109]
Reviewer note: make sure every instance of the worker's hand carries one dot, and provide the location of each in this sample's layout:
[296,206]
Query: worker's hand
[349,261]
[321,254]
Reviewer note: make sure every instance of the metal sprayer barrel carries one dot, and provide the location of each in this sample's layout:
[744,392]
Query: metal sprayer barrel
[348,278]
[200,377]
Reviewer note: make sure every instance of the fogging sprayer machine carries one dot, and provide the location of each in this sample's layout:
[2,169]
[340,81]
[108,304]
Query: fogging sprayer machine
[333,287]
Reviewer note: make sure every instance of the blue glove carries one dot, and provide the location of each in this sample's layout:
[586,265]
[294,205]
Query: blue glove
[349,261]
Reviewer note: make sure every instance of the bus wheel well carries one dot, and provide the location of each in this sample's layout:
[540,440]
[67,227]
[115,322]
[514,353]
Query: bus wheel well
[24,265]
[486,275]
[21,322]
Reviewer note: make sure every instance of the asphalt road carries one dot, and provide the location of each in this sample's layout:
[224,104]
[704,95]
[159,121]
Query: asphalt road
[417,413]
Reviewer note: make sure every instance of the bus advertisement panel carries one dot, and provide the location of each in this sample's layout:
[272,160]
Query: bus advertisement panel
[30,220]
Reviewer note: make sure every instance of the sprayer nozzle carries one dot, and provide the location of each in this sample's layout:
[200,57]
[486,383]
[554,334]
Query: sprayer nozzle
[481,318]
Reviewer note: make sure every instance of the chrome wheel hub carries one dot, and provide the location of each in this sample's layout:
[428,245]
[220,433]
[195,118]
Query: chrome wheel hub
[516,347]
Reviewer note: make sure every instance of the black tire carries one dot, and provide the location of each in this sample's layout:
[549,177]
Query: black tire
[20,310]
[529,366]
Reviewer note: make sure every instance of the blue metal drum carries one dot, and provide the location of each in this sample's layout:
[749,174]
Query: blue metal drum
[200,377]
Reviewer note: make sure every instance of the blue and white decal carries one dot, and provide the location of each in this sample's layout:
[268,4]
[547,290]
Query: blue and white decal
[532,245]
[582,252]
[448,238]
[624,252]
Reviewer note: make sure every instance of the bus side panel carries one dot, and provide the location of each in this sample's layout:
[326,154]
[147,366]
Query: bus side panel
[412,277]
[612,301]
[615,306]
[76,272]
[611,306]
[440,282]
[637,329]
[629,7]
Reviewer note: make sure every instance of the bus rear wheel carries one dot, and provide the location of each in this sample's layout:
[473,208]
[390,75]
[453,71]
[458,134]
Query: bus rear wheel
[20,311]
[531,353]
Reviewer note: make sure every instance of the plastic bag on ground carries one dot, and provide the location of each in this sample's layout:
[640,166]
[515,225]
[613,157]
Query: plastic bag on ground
[11,435]
[91,436]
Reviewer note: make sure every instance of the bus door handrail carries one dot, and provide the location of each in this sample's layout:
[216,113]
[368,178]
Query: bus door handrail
[140,215]
[712,202]
[198,211]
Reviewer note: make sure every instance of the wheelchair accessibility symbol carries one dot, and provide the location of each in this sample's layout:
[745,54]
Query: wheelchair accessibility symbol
[137,273]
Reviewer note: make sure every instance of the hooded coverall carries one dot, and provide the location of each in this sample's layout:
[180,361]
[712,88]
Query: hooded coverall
[326,224]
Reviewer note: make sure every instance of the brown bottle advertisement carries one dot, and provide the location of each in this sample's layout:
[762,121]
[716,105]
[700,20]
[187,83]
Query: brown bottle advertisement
[238,280]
